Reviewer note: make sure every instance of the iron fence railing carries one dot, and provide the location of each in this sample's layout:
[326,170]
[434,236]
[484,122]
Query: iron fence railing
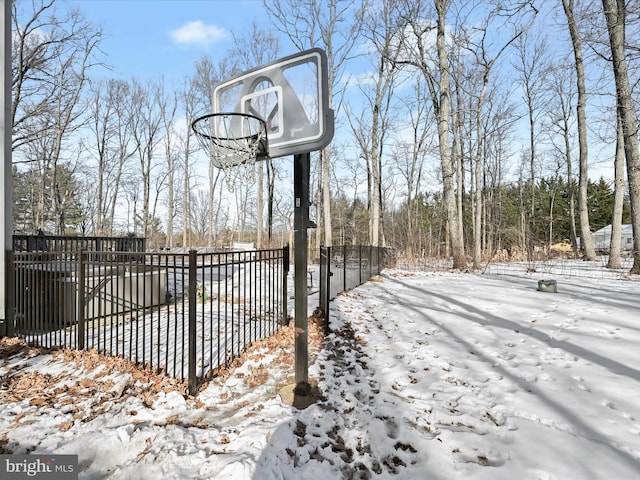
[66,243]
[345,267]
[186,314]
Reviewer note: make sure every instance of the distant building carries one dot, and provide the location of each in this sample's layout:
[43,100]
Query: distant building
[246,250]
[602,238]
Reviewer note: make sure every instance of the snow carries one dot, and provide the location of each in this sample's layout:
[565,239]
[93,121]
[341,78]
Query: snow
[435,375]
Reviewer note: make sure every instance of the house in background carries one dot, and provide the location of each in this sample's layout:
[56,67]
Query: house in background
[602,238]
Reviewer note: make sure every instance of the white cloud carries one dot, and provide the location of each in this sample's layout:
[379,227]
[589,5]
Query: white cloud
[198,33]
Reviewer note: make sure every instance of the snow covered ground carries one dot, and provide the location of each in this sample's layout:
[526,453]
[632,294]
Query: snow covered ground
[432,375]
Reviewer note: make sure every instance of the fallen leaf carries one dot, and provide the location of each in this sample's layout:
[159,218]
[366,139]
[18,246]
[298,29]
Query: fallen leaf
[64,426]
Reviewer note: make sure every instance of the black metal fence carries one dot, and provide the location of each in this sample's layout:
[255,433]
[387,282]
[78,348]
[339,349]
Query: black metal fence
[345,267]
[66,243]
[186,314]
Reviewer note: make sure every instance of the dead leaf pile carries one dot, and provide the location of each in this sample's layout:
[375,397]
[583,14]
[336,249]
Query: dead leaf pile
[103,381]
[11,346]
[281,344]
[96,390]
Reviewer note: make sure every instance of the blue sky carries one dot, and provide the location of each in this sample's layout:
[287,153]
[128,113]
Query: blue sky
[153,38]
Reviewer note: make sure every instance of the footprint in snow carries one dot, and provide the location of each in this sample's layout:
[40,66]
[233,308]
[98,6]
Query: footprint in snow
[490,458]
[541,475]
[568,323]
[506,355]
[547,378]
[635,428]
[528,377]
[611,333]
[558,336]
[581,383]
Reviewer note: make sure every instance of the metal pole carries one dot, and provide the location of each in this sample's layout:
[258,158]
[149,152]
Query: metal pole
[80,299]
[285,291]
[10,293]
[192,308]
[325,288]
[301,166]
[6,212]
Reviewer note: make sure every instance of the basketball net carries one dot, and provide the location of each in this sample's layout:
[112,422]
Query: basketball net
[232,140]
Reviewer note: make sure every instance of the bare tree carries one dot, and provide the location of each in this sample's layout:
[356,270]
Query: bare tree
[417,46]
[199,214]
[499,130]
[615,14]
[168,106]
[618,201]
[532,63]
[486,53]
[52,57]
[410,155]
[583,179]
[206,76]
[101,128]
[189,101]
[380,27]
[110,146]
[333,25]
[147,131]
[561,119]
[255,48]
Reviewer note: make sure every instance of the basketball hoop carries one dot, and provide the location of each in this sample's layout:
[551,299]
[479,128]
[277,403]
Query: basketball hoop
[232,138]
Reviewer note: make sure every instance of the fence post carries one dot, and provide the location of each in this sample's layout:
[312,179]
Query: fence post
[192,307]
[325,286]
[80,289]
[371,274]
[285,293]
[322,278]
[344,266]
[10,295]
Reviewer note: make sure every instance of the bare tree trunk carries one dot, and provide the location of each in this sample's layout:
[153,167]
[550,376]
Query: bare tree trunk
[457,152]
[271,184]
[615,14]
[320,220]
[523,215]
[214,176]
[618,201]
[583,207]
[374,239]
[326,197]
[572,193]
[168,107]
[479,169]
[477,226]
[438,81]
[260,205]
[186,194]
[446,159]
